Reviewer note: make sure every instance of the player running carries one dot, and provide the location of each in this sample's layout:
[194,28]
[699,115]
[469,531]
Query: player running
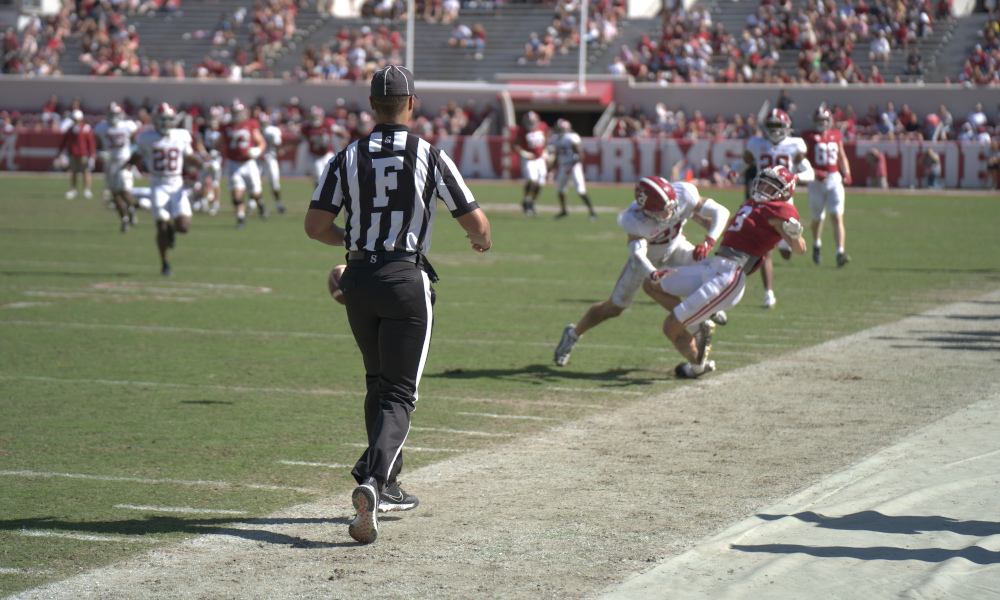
[653,223]
[325,138]
[826,193]
[207,145]
[269,160]
[761,222]
[569,160]
[530,145]
[164,149]
[777,147]
[242,145]
[114,141]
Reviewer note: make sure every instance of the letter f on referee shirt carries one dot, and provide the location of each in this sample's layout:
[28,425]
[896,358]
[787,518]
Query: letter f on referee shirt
[385,179]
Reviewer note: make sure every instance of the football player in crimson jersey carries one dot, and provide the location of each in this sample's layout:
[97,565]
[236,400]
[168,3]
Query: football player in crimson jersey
[530,142]
[242,144]
[826,194]
[777,147]
[325,137]
[653,223]
[760,224]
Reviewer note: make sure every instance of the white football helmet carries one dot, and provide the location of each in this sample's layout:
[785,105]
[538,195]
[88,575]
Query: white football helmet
[114,114]
[777,126]
[773,184]
[164,117]
[530,120]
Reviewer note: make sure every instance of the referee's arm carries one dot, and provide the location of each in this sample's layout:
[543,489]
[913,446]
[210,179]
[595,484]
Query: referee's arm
[477,229]
[320,227]
[319,221]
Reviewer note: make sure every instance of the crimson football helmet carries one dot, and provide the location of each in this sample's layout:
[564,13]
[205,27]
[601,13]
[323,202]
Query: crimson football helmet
[316,116]
[114,114]
[777,125]
[822,119]
[164,117]
[530,120]
[773,184]
[657,198]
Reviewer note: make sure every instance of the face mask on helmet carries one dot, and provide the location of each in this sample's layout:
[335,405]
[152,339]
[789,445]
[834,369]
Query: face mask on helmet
[773,185]
[114,114]
[822,120]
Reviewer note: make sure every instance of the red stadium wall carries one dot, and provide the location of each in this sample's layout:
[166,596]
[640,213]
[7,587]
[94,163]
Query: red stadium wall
[612,160]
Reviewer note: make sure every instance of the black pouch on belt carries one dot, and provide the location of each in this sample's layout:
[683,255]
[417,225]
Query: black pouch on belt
[425,266]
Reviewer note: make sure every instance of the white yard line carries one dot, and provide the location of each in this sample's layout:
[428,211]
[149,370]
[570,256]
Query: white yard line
[181,509]
[495,416]
[86,537]
[223,388]
[460,431]
[200,482]
[409,448]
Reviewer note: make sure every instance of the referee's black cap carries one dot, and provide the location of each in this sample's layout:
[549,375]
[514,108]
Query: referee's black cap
[392,81]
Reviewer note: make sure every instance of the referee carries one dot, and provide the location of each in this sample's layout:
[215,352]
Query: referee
[387,184]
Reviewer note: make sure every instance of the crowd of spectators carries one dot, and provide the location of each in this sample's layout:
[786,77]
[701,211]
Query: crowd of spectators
[352,55]
[983,64]
[827,39]
[564,33]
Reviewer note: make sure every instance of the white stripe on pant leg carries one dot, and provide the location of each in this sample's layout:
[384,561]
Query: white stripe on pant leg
[427,334]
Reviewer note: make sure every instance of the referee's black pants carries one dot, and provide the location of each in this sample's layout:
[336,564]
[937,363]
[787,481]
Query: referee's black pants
[389,307]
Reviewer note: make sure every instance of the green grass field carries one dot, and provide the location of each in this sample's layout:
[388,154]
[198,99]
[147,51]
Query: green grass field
[138,410]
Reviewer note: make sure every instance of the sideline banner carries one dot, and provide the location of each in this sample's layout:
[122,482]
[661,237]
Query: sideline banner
[610,160]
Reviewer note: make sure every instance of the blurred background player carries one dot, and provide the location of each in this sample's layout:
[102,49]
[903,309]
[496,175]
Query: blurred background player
[207,146]
[530,145]
[78,142]
[777,148]
[761,222]
[826,194]
[243,144]
[164,150]
[653,223]
[569,161]
[114,136]
[325,137]
[269,160]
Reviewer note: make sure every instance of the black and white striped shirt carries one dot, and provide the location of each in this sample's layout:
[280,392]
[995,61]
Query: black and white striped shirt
[387,183]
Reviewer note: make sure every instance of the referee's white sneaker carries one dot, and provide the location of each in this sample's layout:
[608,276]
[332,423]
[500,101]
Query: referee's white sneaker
[364,527]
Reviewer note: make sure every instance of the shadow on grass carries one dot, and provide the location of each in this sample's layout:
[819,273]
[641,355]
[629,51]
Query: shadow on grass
[153,525]
[545,374]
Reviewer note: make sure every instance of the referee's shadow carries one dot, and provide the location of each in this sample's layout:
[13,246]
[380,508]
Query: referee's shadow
[547,375]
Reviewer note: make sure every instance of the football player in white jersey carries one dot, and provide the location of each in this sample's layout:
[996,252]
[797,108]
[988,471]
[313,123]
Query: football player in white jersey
[569,160]
[269,160]
[777,147]
[653,224]
[164,149]
[114,141]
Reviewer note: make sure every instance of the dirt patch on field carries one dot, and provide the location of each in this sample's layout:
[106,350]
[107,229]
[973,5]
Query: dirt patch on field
[577,509]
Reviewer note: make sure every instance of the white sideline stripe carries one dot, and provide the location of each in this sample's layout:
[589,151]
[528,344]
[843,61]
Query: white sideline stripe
[201,482]
[312,464]
[25,304]
[182,509]
[76,536]
[460,431]
[410,448]
[493,416]
[12,571]
[596,390]
[518,401]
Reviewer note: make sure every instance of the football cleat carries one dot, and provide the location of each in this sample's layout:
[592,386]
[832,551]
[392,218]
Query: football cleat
[569,339]
[817,254]
[687,370]
[769,299]
[703,339]
[842,259]
[720,318]
[166,271]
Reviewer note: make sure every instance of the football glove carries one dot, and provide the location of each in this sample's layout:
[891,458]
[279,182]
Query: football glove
[658,276]
[793,228]
[701,250]
[255,152]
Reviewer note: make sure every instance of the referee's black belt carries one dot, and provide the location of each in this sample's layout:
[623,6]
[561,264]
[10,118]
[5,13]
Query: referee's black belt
[373,258]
